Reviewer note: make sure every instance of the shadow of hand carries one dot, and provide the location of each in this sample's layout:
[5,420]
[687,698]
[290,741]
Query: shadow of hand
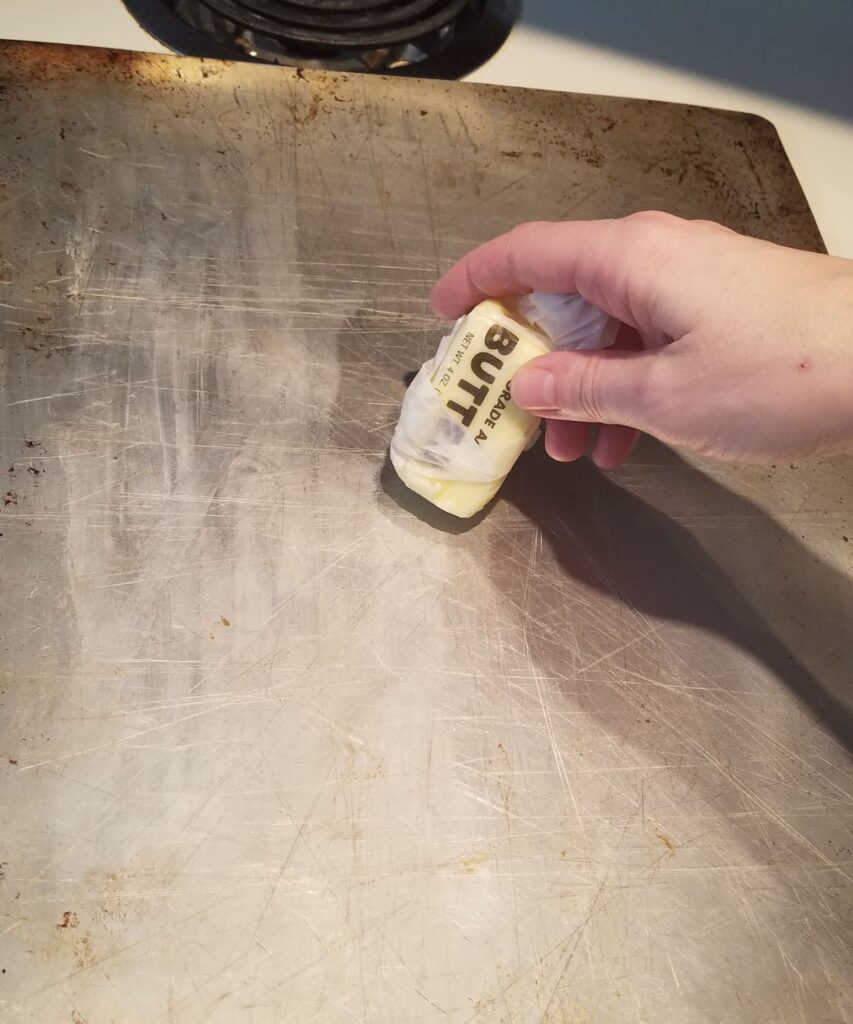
[734,572]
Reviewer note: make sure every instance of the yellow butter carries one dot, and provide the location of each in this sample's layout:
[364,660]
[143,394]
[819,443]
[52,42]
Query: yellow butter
[472,377]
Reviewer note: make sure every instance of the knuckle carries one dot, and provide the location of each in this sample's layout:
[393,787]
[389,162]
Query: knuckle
[472,287]
[584,397]
[515,241]
[512,240]
[638,391]
[653,238]
[521,232]
[652,229]
[645,219]
[527,227]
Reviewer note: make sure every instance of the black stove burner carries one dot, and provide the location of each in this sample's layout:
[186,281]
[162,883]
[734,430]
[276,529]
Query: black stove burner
[427,38]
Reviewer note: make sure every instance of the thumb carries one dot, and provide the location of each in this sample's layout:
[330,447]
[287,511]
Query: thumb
[592,387]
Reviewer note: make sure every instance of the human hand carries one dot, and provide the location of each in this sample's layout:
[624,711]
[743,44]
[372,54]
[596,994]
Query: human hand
[730,346]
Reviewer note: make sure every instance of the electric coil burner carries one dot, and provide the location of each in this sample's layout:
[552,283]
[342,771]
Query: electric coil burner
[427,38]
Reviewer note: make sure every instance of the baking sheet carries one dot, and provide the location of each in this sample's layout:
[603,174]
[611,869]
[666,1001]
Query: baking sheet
[278,745]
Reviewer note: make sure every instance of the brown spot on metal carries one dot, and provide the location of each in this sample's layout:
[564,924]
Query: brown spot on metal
[84,951]
[25,65]
[667,842]
[69,920]
[472,861]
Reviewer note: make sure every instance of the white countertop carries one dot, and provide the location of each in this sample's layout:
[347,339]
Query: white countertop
[820,146]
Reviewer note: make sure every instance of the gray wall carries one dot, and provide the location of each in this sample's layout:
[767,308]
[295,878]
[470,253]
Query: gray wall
[791,49]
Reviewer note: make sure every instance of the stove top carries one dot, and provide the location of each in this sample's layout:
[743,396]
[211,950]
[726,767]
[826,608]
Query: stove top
[427,38]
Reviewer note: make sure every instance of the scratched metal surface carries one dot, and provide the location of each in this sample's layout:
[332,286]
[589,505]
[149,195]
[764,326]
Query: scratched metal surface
[275,747]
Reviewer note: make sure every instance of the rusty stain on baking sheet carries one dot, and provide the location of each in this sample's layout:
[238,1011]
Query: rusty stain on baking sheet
[63,64]
[668,843]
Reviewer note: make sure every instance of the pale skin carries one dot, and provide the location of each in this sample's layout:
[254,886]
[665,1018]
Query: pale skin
[731,347]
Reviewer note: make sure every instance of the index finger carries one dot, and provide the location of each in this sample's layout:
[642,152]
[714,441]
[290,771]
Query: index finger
[532,257]
[615,264]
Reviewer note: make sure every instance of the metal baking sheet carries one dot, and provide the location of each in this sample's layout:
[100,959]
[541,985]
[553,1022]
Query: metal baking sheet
[277,745]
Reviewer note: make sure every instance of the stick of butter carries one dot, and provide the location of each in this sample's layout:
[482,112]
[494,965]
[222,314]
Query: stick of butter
[459,432]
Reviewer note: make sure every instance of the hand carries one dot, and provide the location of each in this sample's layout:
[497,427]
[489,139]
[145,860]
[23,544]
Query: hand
[732,347]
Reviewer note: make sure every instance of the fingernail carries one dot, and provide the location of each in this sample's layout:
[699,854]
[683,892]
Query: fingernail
[535,389]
